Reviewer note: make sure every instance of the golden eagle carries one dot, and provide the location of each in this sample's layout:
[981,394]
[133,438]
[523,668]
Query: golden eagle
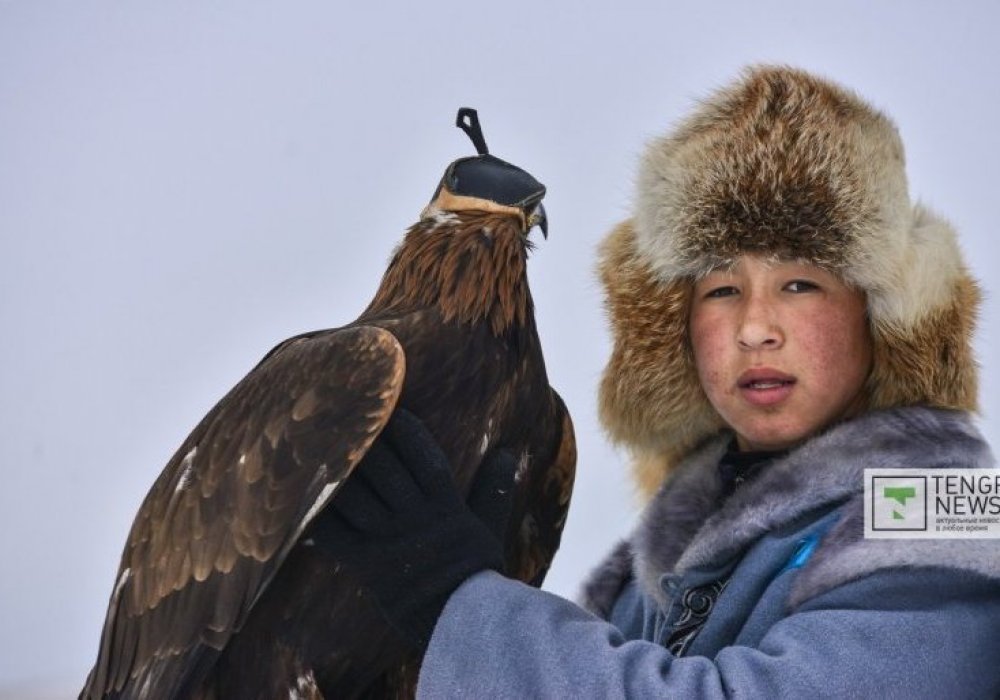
[219,593]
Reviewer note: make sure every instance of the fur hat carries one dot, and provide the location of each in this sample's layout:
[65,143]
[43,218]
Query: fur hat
[791,166]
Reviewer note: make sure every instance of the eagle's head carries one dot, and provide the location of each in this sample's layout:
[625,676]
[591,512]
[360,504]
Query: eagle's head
[485,183]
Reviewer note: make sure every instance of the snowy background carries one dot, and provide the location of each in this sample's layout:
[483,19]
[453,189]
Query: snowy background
[184,184]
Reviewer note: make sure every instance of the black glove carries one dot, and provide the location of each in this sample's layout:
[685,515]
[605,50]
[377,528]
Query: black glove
[400,525]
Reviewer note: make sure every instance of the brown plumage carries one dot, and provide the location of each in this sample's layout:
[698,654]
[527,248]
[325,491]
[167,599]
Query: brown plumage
[219,593]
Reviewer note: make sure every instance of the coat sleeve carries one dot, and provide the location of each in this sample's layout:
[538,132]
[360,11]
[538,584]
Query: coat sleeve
[927,633]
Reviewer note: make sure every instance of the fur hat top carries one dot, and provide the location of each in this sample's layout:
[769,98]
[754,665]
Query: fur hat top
[787,165]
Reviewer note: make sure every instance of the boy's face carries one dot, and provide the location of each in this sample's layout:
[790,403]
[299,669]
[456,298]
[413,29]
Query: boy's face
[782,349]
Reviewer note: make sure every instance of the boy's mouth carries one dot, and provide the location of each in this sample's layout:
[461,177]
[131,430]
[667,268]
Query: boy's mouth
[764,386]
[765,383]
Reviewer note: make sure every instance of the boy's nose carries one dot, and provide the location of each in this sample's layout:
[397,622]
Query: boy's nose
[758,328]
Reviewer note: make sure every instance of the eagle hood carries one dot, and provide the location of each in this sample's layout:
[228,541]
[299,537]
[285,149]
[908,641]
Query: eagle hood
[784,164]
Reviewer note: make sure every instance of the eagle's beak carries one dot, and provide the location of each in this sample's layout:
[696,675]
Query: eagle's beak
[539,219]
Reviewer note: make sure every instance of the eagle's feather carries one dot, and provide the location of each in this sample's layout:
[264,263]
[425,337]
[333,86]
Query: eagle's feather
[220,593]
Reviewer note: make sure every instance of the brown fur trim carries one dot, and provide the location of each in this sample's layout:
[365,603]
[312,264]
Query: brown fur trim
[781,163]
[650,397]
[931,361]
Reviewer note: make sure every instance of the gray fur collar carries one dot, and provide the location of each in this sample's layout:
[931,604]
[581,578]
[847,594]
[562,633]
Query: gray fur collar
[681,528]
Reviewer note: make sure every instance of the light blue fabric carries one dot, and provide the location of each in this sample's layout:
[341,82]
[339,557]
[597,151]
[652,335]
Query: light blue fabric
[809,610]
[885,636]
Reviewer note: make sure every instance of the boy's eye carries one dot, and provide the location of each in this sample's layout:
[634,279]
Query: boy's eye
[717,292]
[800,286]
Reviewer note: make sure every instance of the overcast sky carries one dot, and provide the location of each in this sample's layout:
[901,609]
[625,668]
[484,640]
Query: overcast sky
[184,184]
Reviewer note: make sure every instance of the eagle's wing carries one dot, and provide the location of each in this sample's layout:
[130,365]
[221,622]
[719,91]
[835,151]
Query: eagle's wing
[229,505]
[548,485]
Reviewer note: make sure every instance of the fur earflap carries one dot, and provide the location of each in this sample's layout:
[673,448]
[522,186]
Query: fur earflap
[791,166]
[650,398]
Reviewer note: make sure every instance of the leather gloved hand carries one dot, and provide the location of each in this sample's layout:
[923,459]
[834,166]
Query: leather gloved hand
[400,525]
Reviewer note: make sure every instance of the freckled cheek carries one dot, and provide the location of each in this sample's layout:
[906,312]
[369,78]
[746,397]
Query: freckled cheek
[832,349]
[709,360]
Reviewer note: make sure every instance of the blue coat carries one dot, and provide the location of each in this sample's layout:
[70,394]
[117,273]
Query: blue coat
[794,601]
